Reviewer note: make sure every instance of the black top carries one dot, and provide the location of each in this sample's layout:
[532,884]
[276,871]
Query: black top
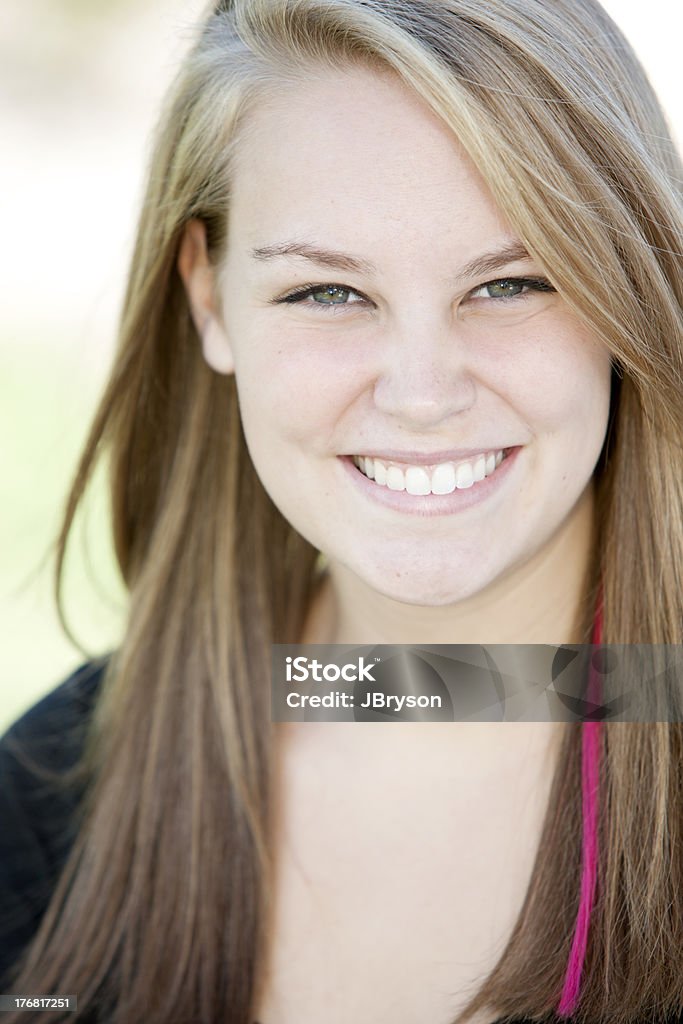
[36,826]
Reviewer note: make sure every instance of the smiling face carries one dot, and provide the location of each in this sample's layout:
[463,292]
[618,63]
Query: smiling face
[406,351]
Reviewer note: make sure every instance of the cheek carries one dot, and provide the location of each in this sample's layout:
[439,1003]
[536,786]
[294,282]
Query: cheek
[561,405]
[560,382]
[294,385]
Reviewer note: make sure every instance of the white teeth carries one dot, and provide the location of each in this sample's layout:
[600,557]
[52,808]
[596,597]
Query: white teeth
[418,481]
[464,477]
[395,479]
[443,478]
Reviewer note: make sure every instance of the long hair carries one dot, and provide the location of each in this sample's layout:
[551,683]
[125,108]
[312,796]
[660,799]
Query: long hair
[160,914]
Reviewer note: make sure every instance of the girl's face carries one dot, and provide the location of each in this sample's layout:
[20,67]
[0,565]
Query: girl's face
[400,345]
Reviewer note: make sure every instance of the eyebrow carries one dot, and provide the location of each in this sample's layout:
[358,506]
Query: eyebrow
[510,252]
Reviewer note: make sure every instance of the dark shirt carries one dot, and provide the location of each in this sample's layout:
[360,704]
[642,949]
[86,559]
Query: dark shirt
[36,817]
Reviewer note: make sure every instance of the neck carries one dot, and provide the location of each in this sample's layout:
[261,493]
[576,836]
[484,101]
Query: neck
[539,602]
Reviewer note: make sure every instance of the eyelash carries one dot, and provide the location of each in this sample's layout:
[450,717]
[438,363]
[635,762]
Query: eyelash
[535,284]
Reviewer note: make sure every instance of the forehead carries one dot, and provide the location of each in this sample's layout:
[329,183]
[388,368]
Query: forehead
[356,148]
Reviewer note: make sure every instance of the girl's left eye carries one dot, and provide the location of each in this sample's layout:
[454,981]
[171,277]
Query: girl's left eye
[503,291]
[508,288]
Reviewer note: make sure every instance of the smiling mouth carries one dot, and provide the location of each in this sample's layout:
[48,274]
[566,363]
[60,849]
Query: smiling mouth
[442,478]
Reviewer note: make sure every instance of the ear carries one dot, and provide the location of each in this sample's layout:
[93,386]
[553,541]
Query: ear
[199,278]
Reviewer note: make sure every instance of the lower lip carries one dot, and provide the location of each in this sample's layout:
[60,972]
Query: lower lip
[433,504]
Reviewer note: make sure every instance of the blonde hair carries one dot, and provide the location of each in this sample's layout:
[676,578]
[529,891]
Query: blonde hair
[170,877]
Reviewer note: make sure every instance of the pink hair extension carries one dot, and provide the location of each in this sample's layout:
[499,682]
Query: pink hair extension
[590,781]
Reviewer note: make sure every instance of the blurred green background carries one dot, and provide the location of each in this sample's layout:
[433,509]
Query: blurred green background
[46,402]
[80,86]
[81,82]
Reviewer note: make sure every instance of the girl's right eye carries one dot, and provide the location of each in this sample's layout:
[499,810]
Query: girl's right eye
[319,293]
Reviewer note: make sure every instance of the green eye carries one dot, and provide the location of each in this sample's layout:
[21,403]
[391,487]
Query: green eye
[512,288]
[504,289]
[329,292]
[325,296]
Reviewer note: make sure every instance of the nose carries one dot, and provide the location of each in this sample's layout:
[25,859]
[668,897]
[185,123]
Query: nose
[425,375]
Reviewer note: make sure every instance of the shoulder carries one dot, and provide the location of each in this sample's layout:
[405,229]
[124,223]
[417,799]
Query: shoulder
[46,741]
[36,812]
[67,705]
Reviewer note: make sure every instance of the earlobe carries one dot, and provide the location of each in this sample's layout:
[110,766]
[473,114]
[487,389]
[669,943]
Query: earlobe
[216,347]
[199,279]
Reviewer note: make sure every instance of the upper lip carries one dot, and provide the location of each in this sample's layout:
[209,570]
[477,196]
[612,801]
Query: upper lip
[427,458]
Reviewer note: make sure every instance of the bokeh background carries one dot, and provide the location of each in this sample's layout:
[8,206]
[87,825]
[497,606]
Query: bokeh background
[80,86]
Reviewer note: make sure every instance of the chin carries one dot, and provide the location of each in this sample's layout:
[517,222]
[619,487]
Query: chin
[419,588]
